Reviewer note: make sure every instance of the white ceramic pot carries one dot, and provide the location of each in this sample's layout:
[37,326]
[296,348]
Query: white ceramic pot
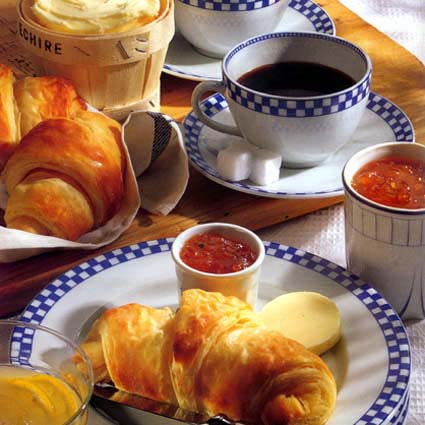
[303,130]
[214,27]
[242,284]
[385,246]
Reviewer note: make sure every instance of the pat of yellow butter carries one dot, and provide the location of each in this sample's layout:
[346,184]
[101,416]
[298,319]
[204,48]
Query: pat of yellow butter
[307,317]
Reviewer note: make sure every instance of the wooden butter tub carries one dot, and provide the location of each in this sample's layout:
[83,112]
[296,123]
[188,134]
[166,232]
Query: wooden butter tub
[115,72]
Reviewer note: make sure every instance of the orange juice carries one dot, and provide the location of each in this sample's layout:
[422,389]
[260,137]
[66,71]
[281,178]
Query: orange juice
[30,397]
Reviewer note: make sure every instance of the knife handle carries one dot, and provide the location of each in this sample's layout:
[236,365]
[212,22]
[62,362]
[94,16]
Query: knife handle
[220,420]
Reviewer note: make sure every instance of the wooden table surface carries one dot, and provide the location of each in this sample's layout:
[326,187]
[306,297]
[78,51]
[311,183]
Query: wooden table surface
[397,75]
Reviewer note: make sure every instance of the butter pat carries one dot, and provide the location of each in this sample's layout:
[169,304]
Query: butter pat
[94,16]
[307,317]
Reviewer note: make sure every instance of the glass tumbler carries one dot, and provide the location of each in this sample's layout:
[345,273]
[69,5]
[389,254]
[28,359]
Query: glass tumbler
[40,365]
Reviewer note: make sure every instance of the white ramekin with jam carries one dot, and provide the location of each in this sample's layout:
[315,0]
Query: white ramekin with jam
[219,257]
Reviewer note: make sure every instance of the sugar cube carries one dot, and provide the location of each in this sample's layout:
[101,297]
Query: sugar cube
[265,167]
[234,162]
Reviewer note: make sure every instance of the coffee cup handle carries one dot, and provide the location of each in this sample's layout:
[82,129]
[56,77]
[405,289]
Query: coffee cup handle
[200,89]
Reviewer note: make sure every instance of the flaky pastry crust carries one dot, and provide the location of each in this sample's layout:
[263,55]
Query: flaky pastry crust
[214,355]
[9,115]
[42,98]
[66,176]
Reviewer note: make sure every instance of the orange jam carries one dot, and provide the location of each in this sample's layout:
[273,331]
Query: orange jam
[214,253]
[394,181]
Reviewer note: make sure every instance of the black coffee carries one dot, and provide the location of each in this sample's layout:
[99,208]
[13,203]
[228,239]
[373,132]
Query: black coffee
[297,79]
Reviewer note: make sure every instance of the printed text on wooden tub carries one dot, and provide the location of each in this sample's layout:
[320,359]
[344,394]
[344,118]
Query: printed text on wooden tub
[37,41]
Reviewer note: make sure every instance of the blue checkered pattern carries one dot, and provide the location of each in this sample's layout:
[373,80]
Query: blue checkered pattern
[321,21]
[396,386]
[270,105]
[43,302]
[230,5]
[397,382]
[298,108]
[177,72]
[21,345]
[312,11]
[394,117]
[401,413]
[399,123]
[316,15]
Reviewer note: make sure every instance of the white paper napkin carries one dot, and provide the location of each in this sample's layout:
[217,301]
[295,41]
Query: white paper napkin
[158,156]
[402,20]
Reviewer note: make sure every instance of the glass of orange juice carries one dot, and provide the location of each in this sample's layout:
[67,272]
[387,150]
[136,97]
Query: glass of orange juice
[45,378]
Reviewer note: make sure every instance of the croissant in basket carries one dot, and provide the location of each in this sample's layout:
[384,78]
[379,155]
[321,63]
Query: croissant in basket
[26,102]
[66,176]
[215,356]
[9,117]
[41,98]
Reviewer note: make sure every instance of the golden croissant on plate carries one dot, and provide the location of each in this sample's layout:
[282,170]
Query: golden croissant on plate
[26,102]
[66,176]
[213,355]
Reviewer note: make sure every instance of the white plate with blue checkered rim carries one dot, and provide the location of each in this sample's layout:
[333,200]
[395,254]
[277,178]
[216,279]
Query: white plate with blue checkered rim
[371,363]
[184,61]
[382,121]
[400,416]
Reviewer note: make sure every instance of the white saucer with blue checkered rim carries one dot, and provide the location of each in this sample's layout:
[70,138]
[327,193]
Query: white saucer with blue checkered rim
[184,61]
[371,363]
[382,121]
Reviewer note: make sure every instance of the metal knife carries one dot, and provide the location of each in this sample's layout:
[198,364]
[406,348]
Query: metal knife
[129,409]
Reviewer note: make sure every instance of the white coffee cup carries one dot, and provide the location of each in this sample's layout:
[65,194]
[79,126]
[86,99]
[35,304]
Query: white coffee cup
[213,27]
[385,246]
[304,130]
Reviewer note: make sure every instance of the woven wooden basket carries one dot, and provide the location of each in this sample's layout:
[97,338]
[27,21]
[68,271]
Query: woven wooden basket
[115,73]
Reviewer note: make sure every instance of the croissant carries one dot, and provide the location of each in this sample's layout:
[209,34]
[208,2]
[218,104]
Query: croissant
[213,355]
[41,98]
[66,176]
[9,116]
[26,102]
